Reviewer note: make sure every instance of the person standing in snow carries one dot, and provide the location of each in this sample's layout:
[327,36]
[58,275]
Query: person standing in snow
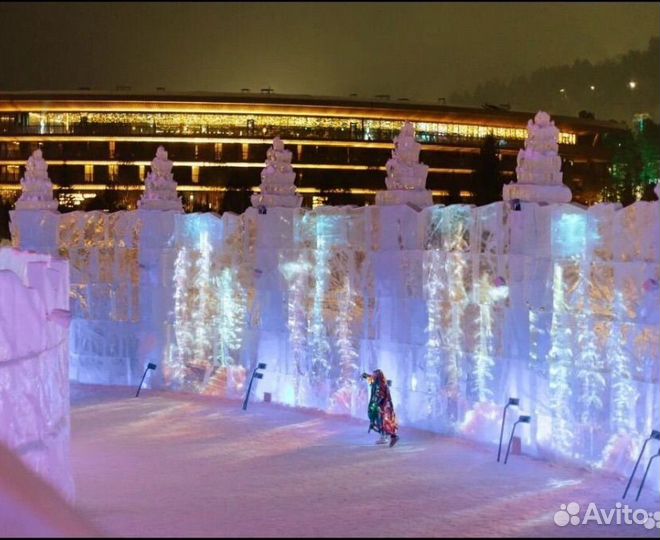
[381,410]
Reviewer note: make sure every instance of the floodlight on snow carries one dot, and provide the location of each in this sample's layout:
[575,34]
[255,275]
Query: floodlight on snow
[522,419]
[639,491]
[149,366]
[512,401]
[255,375]
[655,435]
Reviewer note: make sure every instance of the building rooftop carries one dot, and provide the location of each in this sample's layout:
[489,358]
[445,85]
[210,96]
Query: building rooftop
[274,103]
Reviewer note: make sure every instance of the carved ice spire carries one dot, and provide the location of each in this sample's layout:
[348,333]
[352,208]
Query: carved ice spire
[160,187]
[406,176]
[37,189]
[277,179]
[539,165]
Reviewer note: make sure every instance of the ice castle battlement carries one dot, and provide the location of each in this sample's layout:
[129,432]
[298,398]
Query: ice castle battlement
[461,306]
[160,186]
[406,176]
[277,180]
[37,189]
[539,165]
[34,363]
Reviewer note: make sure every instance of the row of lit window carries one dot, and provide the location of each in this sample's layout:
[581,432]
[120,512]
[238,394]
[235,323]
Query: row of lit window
[282,121]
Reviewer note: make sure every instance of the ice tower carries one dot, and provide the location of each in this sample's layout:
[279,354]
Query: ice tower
[538,171]
[406,176]
[160,187]
[37,188]
[277,179]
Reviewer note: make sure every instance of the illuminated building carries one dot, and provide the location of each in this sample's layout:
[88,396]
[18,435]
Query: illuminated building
[218,143]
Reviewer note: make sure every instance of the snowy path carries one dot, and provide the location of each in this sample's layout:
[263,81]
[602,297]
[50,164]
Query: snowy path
[170,464]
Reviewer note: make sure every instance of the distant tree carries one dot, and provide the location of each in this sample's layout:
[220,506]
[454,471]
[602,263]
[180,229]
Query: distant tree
[5,207]
[487,179]
[64,190]
[338,198]
[625,169]
[566,89]
[635,165]
[648,141]
[236,199]
[454,197]
[110,199]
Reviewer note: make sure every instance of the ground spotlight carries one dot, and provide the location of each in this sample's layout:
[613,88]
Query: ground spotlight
[646,472]
[655,435]
[512,401]
[149,366]
[522,419]
[255,375]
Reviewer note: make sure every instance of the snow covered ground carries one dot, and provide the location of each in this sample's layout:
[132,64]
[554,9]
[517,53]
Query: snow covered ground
[168,464]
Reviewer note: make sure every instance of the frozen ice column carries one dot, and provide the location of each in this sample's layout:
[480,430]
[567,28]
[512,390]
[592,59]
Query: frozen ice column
[37,189]
[277,179]
[538,171]
[406,176]
[160,187]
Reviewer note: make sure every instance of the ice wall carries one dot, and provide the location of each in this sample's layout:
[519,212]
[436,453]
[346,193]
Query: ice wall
[34,363]
[462,307]
[116,289]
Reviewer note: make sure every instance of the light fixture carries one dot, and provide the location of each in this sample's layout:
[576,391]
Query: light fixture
[646,472]
[632,85]
[592,88]
[149,366]
[255,375]
[512,401]
[655,435]
[562,90]
[522,419]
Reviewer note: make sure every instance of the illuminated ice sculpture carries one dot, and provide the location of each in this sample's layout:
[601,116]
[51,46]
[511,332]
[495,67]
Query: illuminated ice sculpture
[160,187]
[37,188]
[277,180]
[538,171]
[406,176]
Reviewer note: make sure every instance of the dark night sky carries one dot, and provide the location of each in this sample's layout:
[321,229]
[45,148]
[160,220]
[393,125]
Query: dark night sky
[415,50]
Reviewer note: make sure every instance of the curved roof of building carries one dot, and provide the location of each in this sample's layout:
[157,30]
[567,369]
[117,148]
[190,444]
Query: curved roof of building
[272,103]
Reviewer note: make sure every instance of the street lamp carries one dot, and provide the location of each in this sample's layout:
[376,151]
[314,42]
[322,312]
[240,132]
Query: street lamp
[255,375]
[523,419]
[655,435]
[512,401]
[149,366]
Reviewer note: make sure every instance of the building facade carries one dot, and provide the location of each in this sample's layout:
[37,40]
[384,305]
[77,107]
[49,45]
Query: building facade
[102,142]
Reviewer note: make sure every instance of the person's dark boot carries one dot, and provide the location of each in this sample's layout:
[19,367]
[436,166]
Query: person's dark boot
[393,440]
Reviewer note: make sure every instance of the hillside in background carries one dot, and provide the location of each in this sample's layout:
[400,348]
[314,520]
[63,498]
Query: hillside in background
[567,89]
